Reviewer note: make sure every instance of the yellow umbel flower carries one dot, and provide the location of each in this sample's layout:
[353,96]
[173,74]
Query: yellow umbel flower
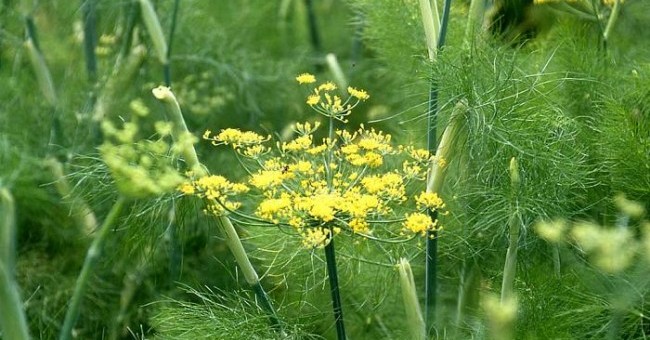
[315,237]
[305,78]
[234,137]
[343,183]
[217,190]
[429,200]
[419,223]
[359,94]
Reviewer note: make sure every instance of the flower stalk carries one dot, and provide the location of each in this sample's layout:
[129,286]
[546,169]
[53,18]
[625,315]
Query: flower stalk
[89,14]
[435,31]
[180,133]
[90,262]
[514,227]
[611,22]
[435,179]
[332,273]
[250,275]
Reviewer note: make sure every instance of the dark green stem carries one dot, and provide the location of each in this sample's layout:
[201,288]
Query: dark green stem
[265,302]
[430,276]
[89,13]
[92,257]
[314,37]
[431,259]
[250,275]
[132,15]
[334,287]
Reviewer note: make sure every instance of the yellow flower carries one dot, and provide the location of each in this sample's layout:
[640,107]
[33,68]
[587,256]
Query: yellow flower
[359,225]
[217,190]
[186,189]
[359,94]
[298,144]
[266,179]
[420,155]
[315,237]
[389,185]
[306,78]
[234,137]
[274,208]
[429,200]
[419,223]
[313,99]
[255,151]
[328,86]
[373,159]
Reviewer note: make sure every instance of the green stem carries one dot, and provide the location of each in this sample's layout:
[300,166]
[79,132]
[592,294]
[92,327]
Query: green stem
[474,19]
[92,257]
[180,131]
[250,275]
[334,287]
[89,14]
[13,324]
[514,227]
[510,267]
[314,36]
[612,21]
[431,258]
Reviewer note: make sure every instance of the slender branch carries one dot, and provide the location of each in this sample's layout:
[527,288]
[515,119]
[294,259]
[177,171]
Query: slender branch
[92,257]
[250,275]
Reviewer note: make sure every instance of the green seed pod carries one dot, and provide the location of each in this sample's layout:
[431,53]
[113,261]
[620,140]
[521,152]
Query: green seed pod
[437,169]
[515,180]
[410,297]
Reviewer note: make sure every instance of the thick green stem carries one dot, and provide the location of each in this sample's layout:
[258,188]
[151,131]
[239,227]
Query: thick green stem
[332,273]
[92,257]
[180,133]
[474,20]
[435,180]
[250,275]
[435,38]
[13,323]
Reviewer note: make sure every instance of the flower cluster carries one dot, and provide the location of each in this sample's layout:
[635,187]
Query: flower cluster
[217,190]
[324,100]
[141,168]
[347,182]
[612,249]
